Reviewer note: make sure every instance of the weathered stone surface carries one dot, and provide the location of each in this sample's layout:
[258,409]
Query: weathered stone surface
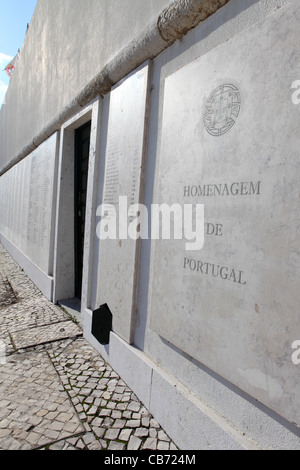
[183,15]
[28,382]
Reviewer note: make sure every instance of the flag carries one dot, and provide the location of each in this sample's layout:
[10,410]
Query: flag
[11,66]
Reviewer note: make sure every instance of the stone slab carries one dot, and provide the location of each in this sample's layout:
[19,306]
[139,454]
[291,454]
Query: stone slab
[45,334]
[211,431]
[31,313]
[229,140]
[27,195]
[124,166]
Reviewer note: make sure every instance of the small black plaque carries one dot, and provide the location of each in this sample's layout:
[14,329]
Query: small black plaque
[102,324]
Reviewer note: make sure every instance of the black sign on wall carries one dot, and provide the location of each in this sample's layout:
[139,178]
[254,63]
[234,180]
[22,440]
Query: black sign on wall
[102,324]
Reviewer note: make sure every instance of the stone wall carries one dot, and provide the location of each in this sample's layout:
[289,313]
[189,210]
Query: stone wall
[204,116]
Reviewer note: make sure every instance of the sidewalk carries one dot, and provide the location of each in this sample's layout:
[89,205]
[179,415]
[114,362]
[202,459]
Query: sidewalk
[56,392]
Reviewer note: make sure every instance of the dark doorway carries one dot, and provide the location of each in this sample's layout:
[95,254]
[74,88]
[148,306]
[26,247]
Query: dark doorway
[82,147]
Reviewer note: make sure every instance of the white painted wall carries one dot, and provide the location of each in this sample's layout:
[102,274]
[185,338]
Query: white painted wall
[67,44]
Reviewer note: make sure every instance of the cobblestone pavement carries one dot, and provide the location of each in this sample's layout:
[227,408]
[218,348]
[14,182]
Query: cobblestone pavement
[56,392]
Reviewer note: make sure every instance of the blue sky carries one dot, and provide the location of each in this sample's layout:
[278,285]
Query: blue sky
[14,16]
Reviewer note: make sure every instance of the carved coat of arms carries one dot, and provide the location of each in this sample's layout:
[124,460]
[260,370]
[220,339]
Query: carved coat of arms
[222,109]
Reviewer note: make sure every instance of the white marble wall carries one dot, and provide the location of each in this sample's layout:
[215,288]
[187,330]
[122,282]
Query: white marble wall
[26,209]
[230,141]
[123,158]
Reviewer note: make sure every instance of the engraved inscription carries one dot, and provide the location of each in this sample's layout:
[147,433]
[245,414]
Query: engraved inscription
[211,269]
[39,216]
[223,189]
[251,188]
[222,109]
[112,171]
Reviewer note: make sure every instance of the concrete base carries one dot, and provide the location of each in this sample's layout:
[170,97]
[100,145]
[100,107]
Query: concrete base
[73,307]
[190,423]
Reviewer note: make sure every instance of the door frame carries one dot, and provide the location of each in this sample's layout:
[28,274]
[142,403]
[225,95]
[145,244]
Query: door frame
[64,249]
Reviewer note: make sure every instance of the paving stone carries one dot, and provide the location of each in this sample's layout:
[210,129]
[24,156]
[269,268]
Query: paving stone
[125,434]
[95,445]
[86,427]
[4,423]
[52,415]
[105,412]
[133,423]
[103,443]
[121,406]
[56,391]
[80,444]
[107,423]
[162,436]
[116,446]
[99,432]
[88,438]
[92,410]
[134,443]
[5,433]
[116,414]
[72,440]
[27,371]
[163,445]
[42,413]
[134,406]
[58,445]
[142,432]
[154,423]
[71,427]
[150,444]
[119,423]
[97,422]
[112,434]
[111,405]
[153,432]
[117,397]
[126,398]
[64,417]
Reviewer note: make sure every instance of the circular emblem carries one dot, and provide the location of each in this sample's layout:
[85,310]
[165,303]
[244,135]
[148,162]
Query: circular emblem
[222,109]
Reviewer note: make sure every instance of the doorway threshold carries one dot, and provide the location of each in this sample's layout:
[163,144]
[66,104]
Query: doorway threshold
[73,308]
